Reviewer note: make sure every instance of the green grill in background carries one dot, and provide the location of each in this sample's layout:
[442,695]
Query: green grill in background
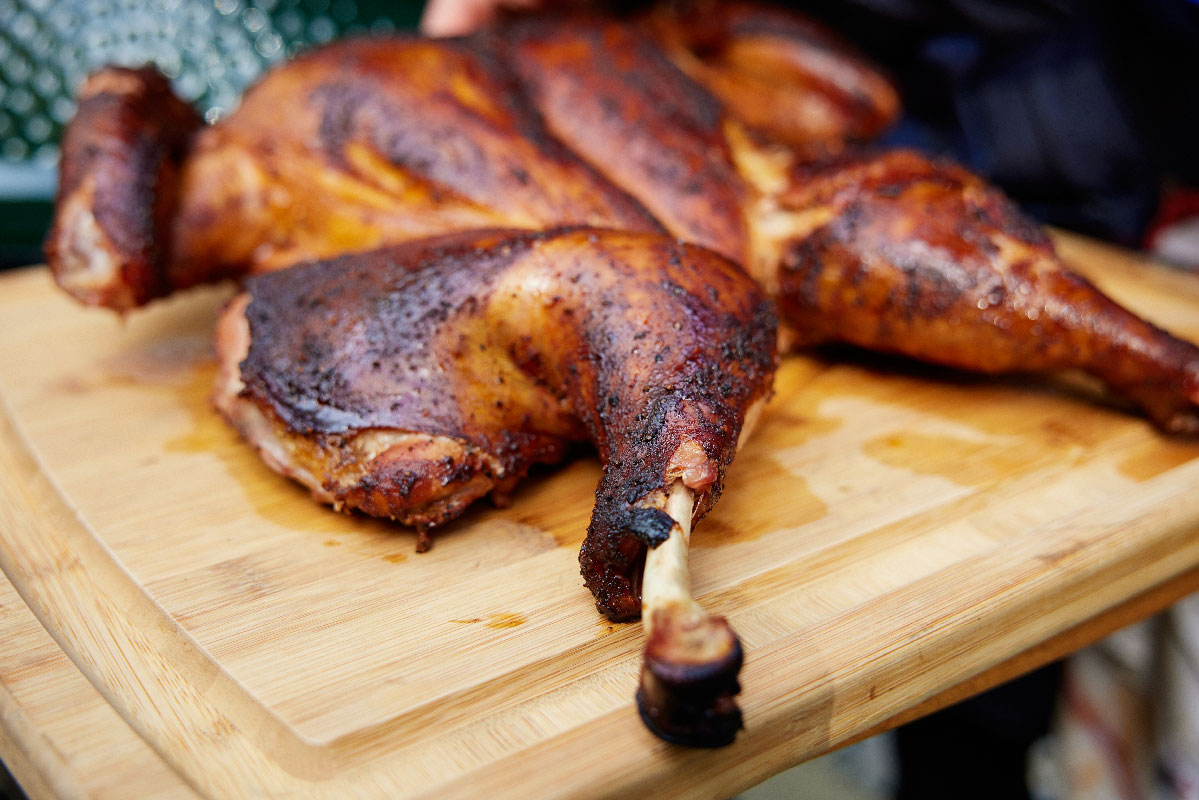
[210,49]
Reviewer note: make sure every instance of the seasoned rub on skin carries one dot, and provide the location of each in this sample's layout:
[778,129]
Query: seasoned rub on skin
[373,141]
[912,256]
[409,381]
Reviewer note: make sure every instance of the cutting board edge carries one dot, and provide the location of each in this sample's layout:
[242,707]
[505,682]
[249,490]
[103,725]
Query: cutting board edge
[66,575]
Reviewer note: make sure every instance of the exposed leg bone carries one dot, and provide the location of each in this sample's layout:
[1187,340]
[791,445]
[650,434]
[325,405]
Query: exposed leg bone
[689,676]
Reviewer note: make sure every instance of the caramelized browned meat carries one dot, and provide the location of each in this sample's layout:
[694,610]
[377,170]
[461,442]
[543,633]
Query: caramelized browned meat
[910,256]
[375,141]
[409,381]
[582,120]
[610,94]
[360,144]
[110,243]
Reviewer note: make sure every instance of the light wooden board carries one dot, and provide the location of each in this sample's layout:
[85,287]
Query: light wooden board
[890,532]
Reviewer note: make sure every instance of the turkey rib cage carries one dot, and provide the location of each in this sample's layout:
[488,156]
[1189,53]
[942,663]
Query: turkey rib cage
[546,121]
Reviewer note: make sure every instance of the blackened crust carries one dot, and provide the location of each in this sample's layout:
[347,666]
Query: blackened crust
[713,380]
[693,705]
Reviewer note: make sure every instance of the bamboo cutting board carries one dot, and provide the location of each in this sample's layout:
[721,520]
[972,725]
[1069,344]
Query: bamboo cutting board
[179,621]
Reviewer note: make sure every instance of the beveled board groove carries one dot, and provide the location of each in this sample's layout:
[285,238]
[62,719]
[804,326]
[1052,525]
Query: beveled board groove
[891,531]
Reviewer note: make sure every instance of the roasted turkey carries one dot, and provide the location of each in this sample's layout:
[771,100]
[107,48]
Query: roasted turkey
[654,125]
[591,185]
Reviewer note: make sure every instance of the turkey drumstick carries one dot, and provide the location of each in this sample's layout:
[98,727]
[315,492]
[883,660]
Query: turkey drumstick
[911,256]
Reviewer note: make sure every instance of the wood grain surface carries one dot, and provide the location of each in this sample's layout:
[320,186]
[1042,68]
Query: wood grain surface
[180,621]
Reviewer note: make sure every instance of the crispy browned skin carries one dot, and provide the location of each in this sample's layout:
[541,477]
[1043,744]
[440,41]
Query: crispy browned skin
[118,188]
[408,381]
[356,145]
[611,94]
[390,140]
[369,142]
[922,258]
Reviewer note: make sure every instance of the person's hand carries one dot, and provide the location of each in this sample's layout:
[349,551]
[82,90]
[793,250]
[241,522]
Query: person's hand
[456,17]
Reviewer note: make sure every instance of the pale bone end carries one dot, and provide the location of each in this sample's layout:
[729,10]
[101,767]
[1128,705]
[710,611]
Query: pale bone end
[689,674]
